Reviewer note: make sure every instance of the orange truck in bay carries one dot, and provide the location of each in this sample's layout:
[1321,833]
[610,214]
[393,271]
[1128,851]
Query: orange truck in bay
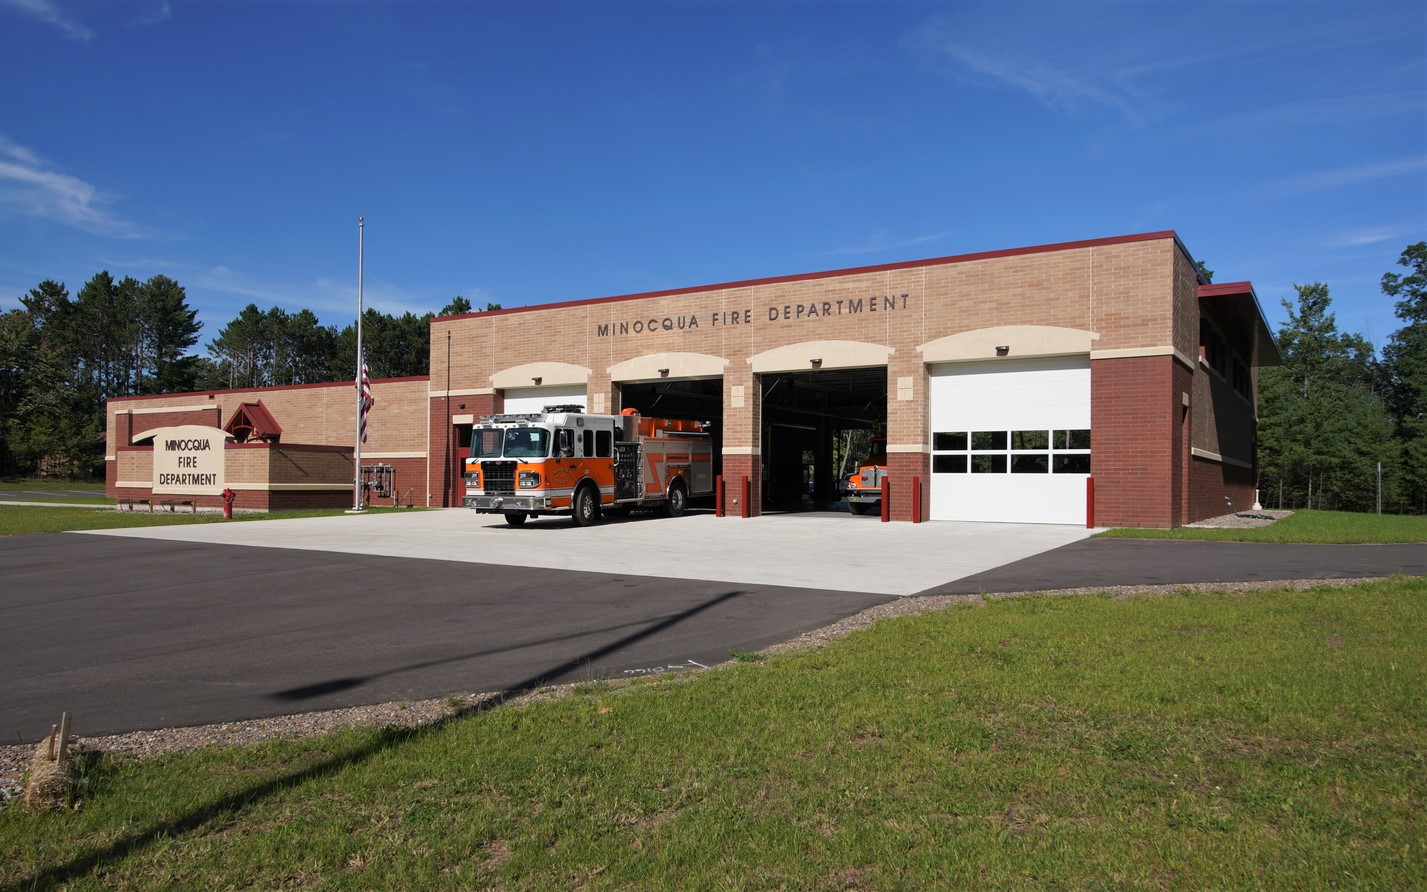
[863,488]
[564,461]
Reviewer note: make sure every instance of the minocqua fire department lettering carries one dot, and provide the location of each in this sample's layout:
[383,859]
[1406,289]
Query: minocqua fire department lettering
[848,306]
[188,480]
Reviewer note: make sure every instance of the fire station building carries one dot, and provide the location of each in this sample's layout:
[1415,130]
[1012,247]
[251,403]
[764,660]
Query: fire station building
[1099,380]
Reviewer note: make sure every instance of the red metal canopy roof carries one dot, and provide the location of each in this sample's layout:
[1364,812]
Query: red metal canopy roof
[253,421]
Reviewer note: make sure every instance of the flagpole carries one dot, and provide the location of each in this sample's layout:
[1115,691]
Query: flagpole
[357,449]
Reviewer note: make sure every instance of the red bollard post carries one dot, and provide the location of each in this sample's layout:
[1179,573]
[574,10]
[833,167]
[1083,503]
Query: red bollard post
[743,506]
[1090,503]
[718,496]
[916,500]
[886,499]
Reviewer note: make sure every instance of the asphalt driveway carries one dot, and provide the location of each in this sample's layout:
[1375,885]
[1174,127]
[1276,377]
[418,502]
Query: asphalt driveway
[174,626]
[129,633]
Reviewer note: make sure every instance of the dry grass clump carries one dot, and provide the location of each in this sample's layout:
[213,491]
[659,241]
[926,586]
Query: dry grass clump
[48,782]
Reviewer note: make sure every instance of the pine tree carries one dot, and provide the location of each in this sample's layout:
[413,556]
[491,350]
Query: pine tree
[1405,367]
[1322,425]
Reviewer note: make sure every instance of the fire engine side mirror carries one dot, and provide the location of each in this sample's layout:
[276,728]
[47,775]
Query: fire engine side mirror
[563,445]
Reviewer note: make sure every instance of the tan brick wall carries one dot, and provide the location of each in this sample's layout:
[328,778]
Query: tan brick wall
[1136,294]
[1124,291]
[312,415]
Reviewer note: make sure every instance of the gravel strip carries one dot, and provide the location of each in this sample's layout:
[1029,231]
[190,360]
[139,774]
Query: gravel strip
[1240,520]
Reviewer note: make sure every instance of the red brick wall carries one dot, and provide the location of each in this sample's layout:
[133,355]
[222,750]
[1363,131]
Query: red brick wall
[1182,486]
[735,469]
[1214,482]
[906,471]
[447,455]
[1134,419]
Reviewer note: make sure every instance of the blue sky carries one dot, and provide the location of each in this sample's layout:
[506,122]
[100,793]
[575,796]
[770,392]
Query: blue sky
[525,153]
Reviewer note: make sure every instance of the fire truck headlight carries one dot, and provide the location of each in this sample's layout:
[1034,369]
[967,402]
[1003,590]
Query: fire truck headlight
[529,479]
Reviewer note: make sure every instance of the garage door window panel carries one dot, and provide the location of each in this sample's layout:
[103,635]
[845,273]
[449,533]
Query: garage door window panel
[949,464]
[951,441]
[992,463]
[1072,464]
[1030,463]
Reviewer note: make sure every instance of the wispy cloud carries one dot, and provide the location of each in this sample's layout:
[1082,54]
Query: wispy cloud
[50,13]
[333,300]
[1140,61]
[33,187]
[1071,72]
[152,14]
[1324,180]
[879,240]
[1048,83]
[1370,235]
[1350,109]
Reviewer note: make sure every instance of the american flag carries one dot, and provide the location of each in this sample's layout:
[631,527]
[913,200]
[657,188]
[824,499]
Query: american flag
[364,399]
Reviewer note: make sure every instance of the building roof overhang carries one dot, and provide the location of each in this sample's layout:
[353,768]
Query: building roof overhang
[1237,301]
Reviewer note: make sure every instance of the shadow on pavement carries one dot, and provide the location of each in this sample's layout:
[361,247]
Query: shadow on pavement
[387,739]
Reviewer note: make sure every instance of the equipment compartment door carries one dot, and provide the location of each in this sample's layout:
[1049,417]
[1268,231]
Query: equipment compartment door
[628,481]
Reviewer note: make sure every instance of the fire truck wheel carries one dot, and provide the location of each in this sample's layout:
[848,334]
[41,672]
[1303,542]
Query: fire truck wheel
[586,507]
[678,499]
[857,507]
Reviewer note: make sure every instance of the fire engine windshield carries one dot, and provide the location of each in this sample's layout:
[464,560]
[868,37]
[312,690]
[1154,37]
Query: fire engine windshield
[486,443]
[511,442]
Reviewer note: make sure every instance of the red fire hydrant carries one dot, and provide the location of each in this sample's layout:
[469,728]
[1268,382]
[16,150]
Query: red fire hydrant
[228,496]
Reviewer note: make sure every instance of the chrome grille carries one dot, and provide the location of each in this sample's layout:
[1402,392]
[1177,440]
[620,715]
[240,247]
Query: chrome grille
[498,476]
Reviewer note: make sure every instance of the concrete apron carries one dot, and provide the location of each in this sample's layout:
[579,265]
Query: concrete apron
[834,552]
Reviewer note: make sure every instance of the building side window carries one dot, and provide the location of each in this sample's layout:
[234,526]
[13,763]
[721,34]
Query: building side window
[1214,350]
[1011,452]
[1243,380]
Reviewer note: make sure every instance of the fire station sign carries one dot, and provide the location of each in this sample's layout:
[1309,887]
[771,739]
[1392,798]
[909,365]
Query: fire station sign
[188,460]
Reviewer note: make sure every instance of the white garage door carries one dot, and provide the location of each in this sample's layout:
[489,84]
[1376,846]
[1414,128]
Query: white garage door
[1011,440]
[535,399]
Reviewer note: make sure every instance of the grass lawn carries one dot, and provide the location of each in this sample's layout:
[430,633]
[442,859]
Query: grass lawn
[1266,739]
[23,487]
[18,519]
[49,484]
[1311,527]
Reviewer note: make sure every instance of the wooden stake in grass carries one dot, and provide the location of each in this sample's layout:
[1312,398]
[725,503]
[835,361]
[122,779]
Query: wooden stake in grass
[48,780]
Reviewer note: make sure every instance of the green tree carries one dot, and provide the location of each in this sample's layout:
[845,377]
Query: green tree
[243,351]
[59,413]
[396,346]
[456,307]
[109,341]
[1405,371]
[1322,425]
[167,329]
[18,342]
[63,358]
